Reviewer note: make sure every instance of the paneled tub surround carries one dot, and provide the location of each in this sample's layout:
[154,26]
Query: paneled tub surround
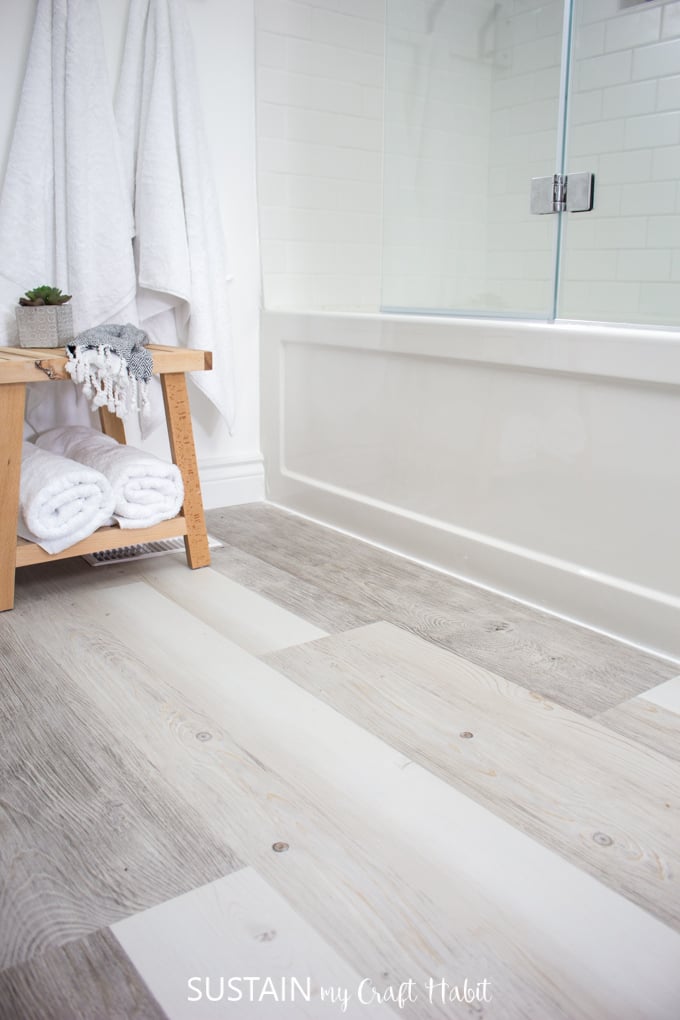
[536,459]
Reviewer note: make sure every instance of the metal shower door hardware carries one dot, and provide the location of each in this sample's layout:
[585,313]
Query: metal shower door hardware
[561,193]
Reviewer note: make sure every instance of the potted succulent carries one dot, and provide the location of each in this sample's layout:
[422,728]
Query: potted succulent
[44,318]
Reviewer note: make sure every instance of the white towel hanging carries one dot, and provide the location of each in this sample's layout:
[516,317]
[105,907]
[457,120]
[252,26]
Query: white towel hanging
[65,211]
[179,239]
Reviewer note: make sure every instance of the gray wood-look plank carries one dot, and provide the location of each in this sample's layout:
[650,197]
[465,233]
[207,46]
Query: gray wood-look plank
[89,830]
[325,609]
[649,724]
[575,667]
[88,979]
[599,799]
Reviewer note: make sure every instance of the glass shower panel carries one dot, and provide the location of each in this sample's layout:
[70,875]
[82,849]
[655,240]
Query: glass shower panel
[621,263]
[472,113]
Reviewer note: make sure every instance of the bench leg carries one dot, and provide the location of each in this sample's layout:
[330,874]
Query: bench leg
[112,425]
[12,406]
[181,434]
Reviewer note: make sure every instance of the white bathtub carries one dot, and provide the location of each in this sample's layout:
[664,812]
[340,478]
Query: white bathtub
[541,460]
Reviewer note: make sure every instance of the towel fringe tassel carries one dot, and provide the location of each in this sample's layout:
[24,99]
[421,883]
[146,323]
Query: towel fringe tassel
[106,381]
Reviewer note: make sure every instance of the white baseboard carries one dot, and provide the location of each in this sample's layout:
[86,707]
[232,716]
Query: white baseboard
[638,616]
[228,481]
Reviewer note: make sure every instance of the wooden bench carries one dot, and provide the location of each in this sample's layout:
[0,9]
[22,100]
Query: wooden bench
[19,366]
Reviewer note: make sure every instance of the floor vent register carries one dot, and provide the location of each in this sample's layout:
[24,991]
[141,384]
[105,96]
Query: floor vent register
[143,551]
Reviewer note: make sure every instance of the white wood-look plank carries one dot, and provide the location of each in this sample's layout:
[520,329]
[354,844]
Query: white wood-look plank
[231,929]
[404,875]
[665,695]
[238,613]
[598,798]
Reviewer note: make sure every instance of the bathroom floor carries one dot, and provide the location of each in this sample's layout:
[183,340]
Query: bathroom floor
[318,780]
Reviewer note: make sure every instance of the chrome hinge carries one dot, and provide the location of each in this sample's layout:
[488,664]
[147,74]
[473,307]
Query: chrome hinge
[559,203]
[562,193]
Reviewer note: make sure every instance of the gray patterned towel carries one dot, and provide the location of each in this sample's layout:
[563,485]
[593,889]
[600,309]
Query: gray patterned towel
[114,367]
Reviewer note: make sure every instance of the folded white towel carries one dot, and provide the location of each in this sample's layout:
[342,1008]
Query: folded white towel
[60,501]
[146,489]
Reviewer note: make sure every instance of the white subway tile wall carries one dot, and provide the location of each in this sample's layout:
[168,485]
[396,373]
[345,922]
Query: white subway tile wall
[320,72]
[471,114]
[632,238]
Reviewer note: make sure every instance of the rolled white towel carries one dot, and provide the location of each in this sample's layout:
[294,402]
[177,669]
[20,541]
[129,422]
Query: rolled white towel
[147,490]
[60,501]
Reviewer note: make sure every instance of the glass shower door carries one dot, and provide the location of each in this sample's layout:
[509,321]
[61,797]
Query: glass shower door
[473,110]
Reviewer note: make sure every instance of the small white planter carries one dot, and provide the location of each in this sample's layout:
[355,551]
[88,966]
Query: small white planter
[45,325]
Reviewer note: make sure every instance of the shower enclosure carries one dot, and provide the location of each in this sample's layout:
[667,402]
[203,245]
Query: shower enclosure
[483,97]
[451,368]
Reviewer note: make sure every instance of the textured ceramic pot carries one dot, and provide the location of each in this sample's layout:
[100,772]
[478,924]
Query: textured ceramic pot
[45,325]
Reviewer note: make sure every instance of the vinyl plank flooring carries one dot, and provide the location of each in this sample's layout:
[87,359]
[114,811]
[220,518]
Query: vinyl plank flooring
[233,610]
[402,874]
[89,831]
[306,603]
[88,979]
[347,881]
[647,723]
[324,609]
[575,667]
[236,610]
[189,950]
[598,798]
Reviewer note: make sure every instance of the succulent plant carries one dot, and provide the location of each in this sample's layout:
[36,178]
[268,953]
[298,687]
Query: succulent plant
[43,296]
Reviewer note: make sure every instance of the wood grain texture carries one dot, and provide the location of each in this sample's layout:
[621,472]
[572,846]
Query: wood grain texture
[42,365]
[28,553]
[239,926]
[181,436]
[647,723]
[337,877]
[575,667]
[602,801]
[89,831]
[402,874]
[306,601]
[253,622]
[324,609]
[112,425]
[12,402]
[89,979]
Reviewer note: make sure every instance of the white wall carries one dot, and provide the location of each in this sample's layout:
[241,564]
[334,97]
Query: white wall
[231,468]
[537,459]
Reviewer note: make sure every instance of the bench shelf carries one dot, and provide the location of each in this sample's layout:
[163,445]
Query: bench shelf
[19,366]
